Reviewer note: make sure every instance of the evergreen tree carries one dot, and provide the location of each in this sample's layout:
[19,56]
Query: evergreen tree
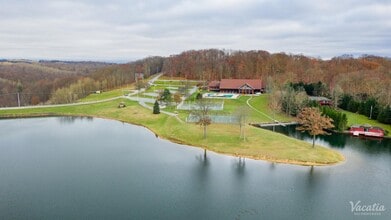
[166,96]
[385,115]
[340,119]
[344,102]
[199,96]
[156,108]
[353,106]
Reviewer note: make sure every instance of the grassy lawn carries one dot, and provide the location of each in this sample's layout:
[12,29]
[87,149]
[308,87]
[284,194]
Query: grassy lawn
[231,106]
[260,144]
[261,103]
[357,119]
[258,102]
[174,83]
[165,77]
[105,95]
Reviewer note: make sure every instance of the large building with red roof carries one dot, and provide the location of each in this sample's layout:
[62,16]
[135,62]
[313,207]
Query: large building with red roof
[242,86]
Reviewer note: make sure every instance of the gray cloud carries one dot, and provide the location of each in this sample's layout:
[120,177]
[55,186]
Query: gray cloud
[127,30]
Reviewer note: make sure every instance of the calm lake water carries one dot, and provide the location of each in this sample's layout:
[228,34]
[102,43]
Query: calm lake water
[83,168]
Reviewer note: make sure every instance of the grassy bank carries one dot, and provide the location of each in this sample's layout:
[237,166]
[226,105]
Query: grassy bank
[357,119]
[260,144]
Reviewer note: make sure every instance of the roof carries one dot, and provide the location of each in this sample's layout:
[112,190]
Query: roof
[318,98]
[214,84]
[237,83]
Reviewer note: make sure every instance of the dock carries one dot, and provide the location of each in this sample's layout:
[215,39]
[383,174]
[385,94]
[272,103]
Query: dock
[271,124]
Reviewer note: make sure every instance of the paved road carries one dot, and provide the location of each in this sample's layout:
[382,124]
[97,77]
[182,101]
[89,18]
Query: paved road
[60,105]
[140,100]
[79,103]
[151,81]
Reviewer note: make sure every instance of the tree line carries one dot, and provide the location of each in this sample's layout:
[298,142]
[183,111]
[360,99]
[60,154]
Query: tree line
[63,82]
[34,82]
[107,78]
[366,75]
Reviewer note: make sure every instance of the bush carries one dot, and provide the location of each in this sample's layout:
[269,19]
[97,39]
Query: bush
[121,105]
[340,119]
[199,96]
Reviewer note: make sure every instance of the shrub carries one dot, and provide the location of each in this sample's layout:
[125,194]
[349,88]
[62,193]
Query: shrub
[340,120]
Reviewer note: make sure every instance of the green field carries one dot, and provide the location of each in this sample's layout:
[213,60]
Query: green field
[174,83]
[357,119]
[259,143]
[105,95]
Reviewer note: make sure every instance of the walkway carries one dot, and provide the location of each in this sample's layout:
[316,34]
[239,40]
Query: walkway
[151,81]
[142,101]
[274,123]
[252,107]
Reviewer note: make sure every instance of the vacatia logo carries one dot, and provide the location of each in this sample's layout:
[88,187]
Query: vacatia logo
[366,209]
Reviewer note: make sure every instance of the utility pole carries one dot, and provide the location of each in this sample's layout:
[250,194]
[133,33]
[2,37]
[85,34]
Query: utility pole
[370,114]
[18,99]
[138,88]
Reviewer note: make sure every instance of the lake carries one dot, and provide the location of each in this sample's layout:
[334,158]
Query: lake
[89,168]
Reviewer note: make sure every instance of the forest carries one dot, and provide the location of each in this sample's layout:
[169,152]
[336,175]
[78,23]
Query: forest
[367,74]
[354,84]
[45,82]
[360,78]
[35,81]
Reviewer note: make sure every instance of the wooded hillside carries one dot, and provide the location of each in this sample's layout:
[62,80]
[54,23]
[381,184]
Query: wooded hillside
[36,81]
[370,75]
[358,77]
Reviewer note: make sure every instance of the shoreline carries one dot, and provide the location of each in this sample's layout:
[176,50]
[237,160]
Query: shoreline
[177,141]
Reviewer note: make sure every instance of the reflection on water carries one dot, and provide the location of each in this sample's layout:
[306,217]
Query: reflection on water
[203,159]
[337,140]
[202,168]
[240,166]
[80,168]
[72,119]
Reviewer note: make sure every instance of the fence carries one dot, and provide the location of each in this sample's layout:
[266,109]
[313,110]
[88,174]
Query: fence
[216,106]
[219,119]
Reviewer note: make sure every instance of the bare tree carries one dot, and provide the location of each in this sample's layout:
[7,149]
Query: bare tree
[140,84]
[311,120]
[202,111]
[177,98]
[336,94]
[242,114]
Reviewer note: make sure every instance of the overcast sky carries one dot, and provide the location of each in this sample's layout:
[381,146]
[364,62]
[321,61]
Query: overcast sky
[124,30]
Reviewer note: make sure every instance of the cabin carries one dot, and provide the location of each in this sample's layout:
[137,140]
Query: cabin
[240,86]
[323,101]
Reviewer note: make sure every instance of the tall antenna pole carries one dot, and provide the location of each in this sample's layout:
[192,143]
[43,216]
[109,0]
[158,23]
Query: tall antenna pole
[18,100]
